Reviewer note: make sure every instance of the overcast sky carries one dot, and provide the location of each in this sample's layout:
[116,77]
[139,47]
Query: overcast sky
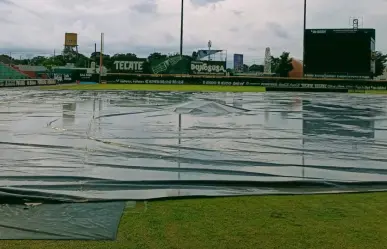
[144,26]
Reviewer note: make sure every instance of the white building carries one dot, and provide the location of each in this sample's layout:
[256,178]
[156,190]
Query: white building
[383,76]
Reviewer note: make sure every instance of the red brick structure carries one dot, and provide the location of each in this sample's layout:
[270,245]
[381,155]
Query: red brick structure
[297,69]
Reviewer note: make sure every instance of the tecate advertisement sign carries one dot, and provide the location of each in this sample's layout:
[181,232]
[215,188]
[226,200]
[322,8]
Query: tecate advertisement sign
[128,66]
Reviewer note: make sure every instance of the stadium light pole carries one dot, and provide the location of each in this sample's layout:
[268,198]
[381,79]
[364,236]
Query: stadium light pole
[303,76]
[303,46]
[181,27]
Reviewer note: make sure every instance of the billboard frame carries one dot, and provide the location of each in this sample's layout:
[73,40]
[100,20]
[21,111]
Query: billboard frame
[367,36]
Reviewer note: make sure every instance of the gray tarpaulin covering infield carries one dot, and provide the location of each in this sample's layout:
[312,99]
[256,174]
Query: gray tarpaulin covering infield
[88,147]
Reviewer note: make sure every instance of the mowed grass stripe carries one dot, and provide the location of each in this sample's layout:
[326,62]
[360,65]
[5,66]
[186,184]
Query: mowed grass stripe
[337,221]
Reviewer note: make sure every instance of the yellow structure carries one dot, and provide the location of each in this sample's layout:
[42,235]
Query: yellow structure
[71,40]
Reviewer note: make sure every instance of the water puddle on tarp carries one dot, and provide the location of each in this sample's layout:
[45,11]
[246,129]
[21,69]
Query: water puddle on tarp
[120,145]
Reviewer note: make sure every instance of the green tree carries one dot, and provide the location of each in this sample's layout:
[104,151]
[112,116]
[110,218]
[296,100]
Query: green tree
[6,56]
[124,57]
[82,61]
[38,60]
[157,56]
[173,54]
[274,63]
[21,61]
[194,55]
[6,59]
[106,59]
[94,55]
[282,65]
[256,68]
[59,60]
[230,71]
[10,60]
[49,63]
[380,63]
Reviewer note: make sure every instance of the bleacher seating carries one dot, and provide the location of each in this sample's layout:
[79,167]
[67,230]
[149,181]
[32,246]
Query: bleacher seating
[7,72]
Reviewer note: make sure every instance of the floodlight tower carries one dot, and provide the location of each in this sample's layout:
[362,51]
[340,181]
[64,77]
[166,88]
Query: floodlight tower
[181,27]
[304,43]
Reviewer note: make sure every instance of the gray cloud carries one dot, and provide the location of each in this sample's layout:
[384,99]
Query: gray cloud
[205,2]
[7,2]
[147,6]
[12,4]
[143,26]
[4,17]
[237,12]
[7,21]
[278,30]
[169,38]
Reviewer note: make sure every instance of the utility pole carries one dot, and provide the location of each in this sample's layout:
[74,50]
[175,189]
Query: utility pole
[181,27]
[304,43]
[100,59]
[95,57]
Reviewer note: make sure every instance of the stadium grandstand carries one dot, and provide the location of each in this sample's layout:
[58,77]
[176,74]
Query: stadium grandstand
[10,71]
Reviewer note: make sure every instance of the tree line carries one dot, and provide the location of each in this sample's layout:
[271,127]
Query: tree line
[281,65]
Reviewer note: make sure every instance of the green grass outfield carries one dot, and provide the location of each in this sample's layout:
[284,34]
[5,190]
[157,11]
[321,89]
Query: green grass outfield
[156,87]
[368,91]
[180,88]
[353,221]
[375,92]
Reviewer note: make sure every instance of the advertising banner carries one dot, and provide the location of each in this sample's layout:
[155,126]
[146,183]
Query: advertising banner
[208,67]
[27,82]
[88,78]
[336,76]
[170,65]
[64,76]
[134,66]
[238,62]
[270,83]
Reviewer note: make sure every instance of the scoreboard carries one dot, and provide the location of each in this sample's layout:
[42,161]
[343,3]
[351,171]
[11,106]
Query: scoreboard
[339,53]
